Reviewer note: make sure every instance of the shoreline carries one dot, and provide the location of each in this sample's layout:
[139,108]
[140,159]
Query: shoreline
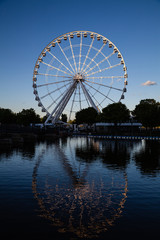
[20,139]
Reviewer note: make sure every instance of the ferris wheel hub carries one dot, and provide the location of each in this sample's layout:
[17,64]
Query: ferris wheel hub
[78,77]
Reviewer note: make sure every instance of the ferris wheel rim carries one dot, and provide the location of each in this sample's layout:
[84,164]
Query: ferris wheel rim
[74,68]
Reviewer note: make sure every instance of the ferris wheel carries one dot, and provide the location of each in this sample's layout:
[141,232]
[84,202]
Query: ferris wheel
[77,70]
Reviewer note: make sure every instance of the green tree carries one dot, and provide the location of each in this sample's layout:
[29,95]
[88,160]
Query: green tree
[147,112]
[87,115]
[27,116]
[115,113]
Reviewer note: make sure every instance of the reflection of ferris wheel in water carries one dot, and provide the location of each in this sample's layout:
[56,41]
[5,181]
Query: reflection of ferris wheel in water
[76,201]
[77,70]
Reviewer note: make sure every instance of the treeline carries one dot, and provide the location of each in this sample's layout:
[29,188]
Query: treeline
[146,112]
[25,117]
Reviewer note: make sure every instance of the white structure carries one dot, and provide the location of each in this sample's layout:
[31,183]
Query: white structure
[77,70]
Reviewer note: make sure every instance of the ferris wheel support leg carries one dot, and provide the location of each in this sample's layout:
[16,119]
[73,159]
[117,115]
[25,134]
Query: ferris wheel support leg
[63,103]
[89,97]
[64,99]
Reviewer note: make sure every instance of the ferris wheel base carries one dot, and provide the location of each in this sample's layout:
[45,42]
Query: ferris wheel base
[54,123]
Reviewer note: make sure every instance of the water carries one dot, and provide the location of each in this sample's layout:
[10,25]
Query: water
[80,188]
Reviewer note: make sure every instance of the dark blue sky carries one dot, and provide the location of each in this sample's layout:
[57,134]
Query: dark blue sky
[26,27]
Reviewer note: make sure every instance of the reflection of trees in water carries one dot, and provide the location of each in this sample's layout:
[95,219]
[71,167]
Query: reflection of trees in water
[27,151]
[86,206]
[117,154]
[114,154]
[88,151]
[148,158]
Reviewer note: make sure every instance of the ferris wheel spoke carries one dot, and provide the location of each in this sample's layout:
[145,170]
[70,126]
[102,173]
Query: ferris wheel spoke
[80,52]
[100,84]
[60,62]
[101,70]
[72,53]
[102,101]
[89,97]
[93,58]
[105,59]
[66,57]
[55,101]
[95,99]
[86,98]
[49,93]
[87,54]
[105,77]
[47,84]
[49,65]
[100,92]
[79,97]
[52,75]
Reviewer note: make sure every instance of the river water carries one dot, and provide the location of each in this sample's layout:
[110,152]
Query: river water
[80,188]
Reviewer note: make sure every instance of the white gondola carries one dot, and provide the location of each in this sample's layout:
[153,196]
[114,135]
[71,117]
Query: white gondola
[110,45]
[126,82]
[65,38]
[98,38]
[78,35]
[48,49]
[122,61]
[71,35]
[39,104]
[59,40]
[92,35]
[115,49]
[119,55]
[85,34]
[122,97]
[37,66]
[104,41]
[125,89]
[53,44]
[124,68]
[37,98]
[43,54]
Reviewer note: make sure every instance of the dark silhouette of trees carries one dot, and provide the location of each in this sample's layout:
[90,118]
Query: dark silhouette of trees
[64,118]
[87,115]
[7,116]
[27,116]
[147,112]
[115,113]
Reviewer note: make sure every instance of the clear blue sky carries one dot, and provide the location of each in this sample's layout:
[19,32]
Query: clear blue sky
[27,26]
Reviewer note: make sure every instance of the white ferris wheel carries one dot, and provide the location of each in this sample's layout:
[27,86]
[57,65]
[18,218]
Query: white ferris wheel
[77,70]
